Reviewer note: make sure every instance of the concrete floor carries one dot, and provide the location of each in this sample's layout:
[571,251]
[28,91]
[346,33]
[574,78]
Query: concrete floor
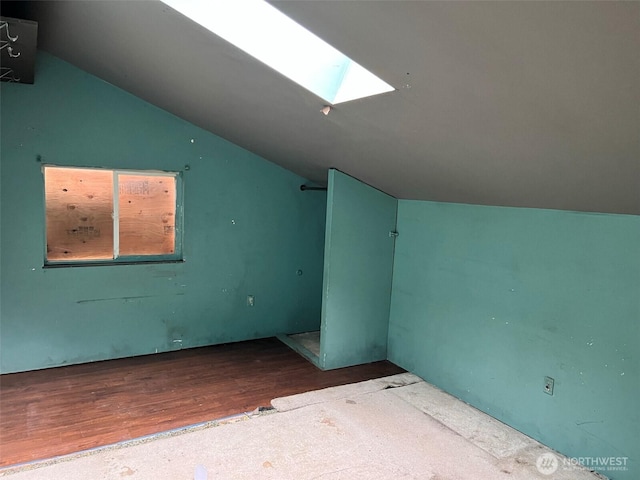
[395,427]
[309,340]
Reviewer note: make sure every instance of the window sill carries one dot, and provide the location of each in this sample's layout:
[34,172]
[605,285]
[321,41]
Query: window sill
[109,264]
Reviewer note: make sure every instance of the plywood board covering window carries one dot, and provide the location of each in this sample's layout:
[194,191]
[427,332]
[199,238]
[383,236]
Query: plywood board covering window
[147,214]
[101,215]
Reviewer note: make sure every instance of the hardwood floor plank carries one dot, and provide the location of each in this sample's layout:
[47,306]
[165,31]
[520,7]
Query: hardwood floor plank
[62,410]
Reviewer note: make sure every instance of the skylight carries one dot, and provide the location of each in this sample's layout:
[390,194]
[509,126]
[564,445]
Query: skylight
[267,34]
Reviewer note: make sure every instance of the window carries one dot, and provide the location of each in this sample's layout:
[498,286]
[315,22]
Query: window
[100,215]
[267,34]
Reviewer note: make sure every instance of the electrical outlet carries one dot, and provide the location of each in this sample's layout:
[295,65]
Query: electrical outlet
[251,301]
[548,385]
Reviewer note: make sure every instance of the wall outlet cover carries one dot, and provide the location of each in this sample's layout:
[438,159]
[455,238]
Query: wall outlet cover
[548,385]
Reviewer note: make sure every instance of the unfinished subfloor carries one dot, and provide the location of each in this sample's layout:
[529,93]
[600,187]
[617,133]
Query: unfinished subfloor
[388,428]
[309,340]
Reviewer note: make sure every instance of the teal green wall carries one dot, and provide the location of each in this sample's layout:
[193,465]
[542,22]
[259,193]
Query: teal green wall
[358,263]
[486,301]
[248,230]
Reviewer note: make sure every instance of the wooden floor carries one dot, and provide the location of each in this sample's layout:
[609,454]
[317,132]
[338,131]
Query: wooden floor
[68,409]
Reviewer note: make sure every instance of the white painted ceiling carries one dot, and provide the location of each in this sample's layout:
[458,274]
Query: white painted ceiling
[531,104]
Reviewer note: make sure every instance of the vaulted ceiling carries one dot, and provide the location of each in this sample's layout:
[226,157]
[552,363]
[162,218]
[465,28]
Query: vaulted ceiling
[532,104]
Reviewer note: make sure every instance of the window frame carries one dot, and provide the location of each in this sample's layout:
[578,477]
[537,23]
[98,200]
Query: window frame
[175,257]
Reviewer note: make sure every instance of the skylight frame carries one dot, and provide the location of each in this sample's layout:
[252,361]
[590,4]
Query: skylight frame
[267,34]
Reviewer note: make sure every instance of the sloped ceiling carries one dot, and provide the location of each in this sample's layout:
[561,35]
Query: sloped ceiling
[532,104]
